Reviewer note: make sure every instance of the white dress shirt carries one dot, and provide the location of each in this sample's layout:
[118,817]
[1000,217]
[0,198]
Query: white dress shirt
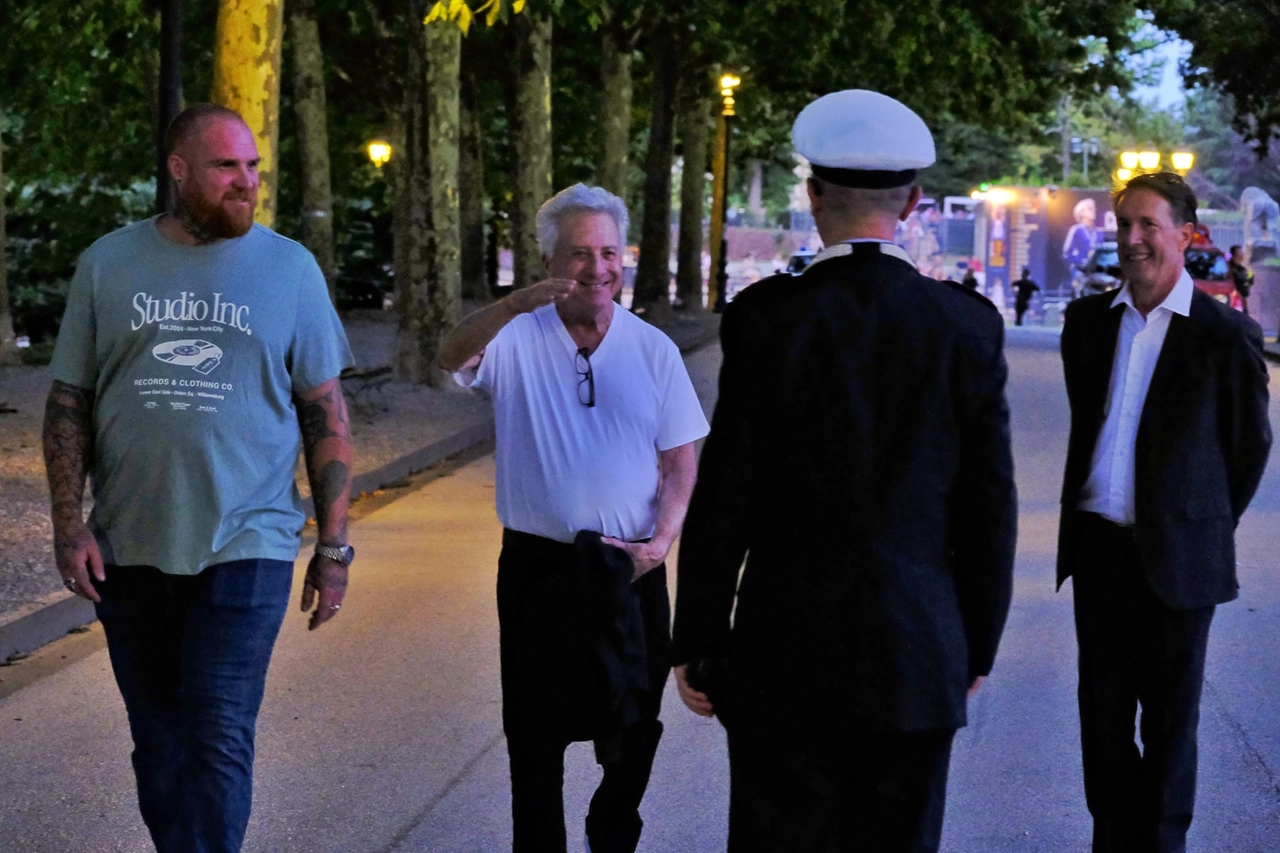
[1109,489]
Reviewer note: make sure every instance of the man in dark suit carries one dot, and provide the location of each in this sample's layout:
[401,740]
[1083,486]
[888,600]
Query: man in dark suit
[1169,438]
[859,457]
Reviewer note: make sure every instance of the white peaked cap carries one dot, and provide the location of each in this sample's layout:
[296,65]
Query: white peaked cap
[861,138]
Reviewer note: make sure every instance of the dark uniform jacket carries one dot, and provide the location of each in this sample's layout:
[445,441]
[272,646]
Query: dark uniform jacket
[859,458]
[1202,443]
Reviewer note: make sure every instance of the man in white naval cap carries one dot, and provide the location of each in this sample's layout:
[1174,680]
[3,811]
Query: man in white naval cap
[859,460]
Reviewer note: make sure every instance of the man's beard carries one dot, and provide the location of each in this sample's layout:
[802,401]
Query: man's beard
[217,221]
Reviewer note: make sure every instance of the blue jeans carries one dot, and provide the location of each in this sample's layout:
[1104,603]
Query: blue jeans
[190,656]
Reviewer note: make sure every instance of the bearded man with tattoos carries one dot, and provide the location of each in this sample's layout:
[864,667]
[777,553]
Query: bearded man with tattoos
[196,346]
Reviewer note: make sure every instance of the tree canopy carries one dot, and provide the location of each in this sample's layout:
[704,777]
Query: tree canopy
[78,82]
[1233,47]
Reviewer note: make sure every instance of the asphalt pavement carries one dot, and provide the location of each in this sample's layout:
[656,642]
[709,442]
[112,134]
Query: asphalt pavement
[382,731]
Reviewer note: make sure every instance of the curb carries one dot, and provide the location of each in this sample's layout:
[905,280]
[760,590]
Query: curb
[43,623]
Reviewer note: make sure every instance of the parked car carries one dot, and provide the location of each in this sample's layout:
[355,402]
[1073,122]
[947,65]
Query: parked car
[1207,266]
[1101,271]
[799,261]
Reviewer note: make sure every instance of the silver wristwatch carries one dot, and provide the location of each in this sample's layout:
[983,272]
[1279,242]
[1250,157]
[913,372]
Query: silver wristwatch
[343,555]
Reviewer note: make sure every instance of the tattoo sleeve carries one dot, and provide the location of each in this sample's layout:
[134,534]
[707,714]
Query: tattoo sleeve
[68,447]
[326,445]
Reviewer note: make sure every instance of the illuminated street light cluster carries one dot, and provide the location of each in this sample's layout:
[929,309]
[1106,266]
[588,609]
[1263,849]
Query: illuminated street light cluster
[727,84]
[1140,162]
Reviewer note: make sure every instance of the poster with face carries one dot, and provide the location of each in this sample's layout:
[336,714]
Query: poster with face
[1078,221]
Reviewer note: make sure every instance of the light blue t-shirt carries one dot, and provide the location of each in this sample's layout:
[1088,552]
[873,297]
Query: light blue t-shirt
[194,354]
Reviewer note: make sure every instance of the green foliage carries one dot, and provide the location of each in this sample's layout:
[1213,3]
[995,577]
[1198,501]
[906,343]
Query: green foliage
[49,226]
[1233,45]
[38,354]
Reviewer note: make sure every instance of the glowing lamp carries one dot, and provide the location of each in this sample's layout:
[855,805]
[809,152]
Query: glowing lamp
[1129,160]
[1000,197]
[379,152]
[1149,160]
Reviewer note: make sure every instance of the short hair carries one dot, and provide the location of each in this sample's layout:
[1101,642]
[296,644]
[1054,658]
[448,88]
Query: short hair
[854,201]
[186,123]
[1082,204]
[578,198]
[1170,187]
[1235,250]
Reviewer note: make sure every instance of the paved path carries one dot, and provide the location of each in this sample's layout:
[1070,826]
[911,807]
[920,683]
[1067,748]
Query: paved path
[382,732]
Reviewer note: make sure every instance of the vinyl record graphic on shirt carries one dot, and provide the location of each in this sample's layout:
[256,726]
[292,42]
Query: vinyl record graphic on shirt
[200,355]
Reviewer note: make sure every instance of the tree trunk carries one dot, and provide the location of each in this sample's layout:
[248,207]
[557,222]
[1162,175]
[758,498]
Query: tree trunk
[475,283]
[246,78]
[429,298]
[397,172]
[313,137]
[8,346]
[444,52]
[695,129]
[615,105]
[533,143]
[653,275]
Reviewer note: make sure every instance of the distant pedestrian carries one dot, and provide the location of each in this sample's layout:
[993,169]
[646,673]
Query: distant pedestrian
[970,280]
[1023,289]
[1241,276]
[596,420]
[195,347]
[860,462]
[1169,439]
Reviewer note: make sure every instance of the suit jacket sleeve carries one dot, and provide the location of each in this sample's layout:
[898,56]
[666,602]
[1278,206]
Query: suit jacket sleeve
[984,501]
[714,540]
[1246,427]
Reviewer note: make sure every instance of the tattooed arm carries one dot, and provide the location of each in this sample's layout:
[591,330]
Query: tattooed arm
[68,447]
[326,445]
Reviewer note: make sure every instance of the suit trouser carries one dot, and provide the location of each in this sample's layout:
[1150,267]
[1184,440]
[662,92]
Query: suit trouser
[1135,650]
[878,792]
[537,753]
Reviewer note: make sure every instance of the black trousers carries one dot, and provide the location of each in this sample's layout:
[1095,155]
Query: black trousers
[876,792]
[1135,650]
[537,751]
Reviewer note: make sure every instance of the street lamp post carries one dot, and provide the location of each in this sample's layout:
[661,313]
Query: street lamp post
[719,277]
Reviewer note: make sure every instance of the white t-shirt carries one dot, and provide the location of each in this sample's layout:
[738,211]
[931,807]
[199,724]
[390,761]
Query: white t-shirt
[562,466]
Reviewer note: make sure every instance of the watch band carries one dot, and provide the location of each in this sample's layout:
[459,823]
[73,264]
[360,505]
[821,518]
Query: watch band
[342,554]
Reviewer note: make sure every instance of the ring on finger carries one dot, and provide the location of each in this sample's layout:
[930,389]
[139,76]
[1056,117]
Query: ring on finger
[335,607]
[69,583]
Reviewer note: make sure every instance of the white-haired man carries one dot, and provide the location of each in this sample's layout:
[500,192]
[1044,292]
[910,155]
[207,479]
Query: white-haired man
[596,420]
